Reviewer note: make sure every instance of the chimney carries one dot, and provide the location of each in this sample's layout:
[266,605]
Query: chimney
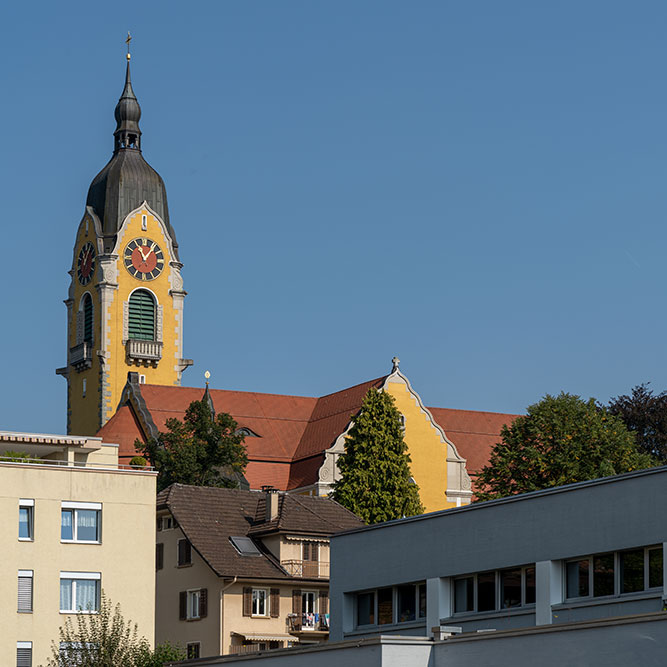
[271,502]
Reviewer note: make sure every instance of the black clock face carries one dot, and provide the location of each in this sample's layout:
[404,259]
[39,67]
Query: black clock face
[85,264]
[143,259]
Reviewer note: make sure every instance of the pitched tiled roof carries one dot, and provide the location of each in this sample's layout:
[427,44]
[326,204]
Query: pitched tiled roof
[295,431]
[210,516]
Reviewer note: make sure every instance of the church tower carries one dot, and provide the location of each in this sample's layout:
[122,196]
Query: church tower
[125,302]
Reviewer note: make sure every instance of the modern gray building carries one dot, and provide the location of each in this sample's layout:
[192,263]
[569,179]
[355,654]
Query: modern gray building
[571,575]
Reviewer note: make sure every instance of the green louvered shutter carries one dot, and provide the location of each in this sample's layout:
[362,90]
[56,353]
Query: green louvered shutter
[88,319]
[142,315]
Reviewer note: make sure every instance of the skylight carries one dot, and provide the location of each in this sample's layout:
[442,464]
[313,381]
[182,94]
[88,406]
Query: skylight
[245,546]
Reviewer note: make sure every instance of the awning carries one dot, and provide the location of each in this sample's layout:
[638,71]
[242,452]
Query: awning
[261,637]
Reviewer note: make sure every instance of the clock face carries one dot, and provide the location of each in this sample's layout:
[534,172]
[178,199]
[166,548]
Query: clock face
[85,264]
[143,259]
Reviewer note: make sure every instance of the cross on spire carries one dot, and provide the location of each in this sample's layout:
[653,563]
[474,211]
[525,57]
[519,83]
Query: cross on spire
[127,41]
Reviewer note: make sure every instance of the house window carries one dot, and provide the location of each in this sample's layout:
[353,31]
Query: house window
[494,590]
[79,592]
[259,602]
[614,573]
[308,602]
[193,604]
[80,522]
[23,654]
[25,591]
[141,315]
[26,516]
[399,604]
[184,553]
[159,556]
[193,650]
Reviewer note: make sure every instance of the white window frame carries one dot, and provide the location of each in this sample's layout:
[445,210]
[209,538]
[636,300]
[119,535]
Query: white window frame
[74,507]
[193,609]
[29,504]
[25,574]
[82,576]
[23,646]
[257,602]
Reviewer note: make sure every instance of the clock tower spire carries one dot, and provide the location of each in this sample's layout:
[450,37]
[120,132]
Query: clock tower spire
[126,297]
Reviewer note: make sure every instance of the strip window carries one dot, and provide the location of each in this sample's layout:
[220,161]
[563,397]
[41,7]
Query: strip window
[614,573]
[495,590]
[392,605]
[26,519]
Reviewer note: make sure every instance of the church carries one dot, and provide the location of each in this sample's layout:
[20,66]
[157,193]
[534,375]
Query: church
[125,359]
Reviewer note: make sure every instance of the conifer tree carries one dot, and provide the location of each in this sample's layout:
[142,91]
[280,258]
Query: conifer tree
[375,479]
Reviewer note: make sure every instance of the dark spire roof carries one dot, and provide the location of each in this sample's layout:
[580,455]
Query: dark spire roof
[206,398]
[127,180]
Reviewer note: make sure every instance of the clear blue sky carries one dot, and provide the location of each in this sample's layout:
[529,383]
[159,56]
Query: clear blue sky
[476,187]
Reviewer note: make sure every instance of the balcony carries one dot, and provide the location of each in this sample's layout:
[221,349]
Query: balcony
[143,351]
[306,569]
[313,625]
[81,356]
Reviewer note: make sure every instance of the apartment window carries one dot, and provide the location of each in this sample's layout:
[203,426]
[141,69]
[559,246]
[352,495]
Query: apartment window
[80,522]
[397,604]
[495,590]
[259,602]
[184,553]
[79,592]
[23,654]
[159,556]
[614,573]
[26,519]
[193,650]
[193,604]
[25,591]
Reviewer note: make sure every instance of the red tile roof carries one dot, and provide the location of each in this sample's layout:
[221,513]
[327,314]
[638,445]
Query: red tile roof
[294,431]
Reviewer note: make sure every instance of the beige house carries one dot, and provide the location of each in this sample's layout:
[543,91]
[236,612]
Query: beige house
[239,571]
[72,520]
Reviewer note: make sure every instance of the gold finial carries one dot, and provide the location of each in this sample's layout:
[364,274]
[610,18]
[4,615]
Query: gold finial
[127,41]
[207,375]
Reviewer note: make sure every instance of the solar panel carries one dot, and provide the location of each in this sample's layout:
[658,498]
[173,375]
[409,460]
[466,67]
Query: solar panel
[245,546]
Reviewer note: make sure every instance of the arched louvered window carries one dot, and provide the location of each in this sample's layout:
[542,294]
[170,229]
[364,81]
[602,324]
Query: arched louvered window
[87,318]
[141,312]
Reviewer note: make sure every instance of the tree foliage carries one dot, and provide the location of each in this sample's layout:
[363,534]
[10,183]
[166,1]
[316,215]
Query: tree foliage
[645,414]
[201,450]
[105,639]
[562,439]
[375,479]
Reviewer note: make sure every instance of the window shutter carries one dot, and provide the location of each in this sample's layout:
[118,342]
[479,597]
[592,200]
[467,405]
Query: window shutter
[203,603]
[159,556]
[141,315]
[188,552]
[184,552]
[275,603]
[314,549]
[182,605]
[159,523]
[324,602]
[296,602]
[25,594]
[23,657]
[88,319]
[247,601]
[181,552]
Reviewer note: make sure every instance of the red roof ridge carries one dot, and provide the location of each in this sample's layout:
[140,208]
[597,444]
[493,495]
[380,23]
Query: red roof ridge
[478,412]
[230,391]
[354,386]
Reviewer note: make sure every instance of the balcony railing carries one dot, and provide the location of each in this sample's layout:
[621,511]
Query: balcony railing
[144,350]
[308,622]
[308,569]
[81,356]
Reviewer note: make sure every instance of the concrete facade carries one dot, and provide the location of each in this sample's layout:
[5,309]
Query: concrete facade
[69,473]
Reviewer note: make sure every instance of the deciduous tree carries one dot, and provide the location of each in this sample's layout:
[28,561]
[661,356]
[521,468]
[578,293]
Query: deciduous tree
[562,439]
[645,414]
[375,479]
[202,450]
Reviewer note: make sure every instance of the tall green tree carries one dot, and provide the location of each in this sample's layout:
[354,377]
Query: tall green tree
[105,639]
[202,450]
[375,479]
[562,439]
[645,415]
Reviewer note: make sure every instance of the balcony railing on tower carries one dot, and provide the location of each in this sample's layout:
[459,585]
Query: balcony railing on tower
[144,351]
[81,356]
